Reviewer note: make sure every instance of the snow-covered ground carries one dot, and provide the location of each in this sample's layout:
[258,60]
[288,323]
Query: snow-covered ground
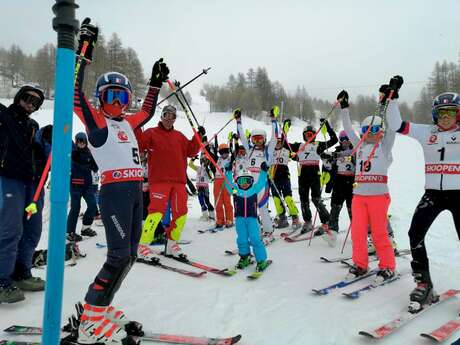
[279,308]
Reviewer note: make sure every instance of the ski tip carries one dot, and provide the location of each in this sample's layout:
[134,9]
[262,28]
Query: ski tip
[236,339]
[429,336]
[366,334]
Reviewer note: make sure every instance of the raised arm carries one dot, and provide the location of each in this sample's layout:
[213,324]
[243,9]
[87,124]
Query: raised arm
[346,122]
[240,130]
[274,137]
[323,146]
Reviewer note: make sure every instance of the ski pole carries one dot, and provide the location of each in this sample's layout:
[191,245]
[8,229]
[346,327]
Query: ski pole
[346,238]
[220,130]
[195,133]
[32,207]
[177,84]
[205,71]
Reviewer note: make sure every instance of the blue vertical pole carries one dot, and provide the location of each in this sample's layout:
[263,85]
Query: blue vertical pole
[65,25]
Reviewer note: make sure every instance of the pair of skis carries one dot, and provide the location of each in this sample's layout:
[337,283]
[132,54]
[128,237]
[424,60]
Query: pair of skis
[148,336]
[439,335]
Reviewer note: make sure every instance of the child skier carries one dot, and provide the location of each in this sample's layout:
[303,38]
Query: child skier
[308,156]
[204,174]
[222,201]
[441,149]
[247,225]
[281,186]
[115,149]
[257,152]
[371,197]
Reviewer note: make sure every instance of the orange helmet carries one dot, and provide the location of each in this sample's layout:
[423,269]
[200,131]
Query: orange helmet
[223,147]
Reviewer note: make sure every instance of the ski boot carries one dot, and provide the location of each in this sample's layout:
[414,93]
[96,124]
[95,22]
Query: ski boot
[11,294]
[355,272]
[229,225]
[243,262]
[95,327]
[204,216]
[73,237]
[307,227]
[132,328]
[423,293]
[146,255]
[282,222]
[383,275]
[87,231]
[296,222]
[330,237]
[211,215]
[261,266]
[267,237]
[173,250]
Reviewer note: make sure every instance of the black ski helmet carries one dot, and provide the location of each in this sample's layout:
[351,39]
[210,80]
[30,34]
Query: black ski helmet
[26,88]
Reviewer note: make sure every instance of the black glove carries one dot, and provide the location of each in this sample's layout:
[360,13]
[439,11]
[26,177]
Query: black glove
[342,97]
[235,136]
[201,130]
[264,166]
[395,84]
[160,72]
[88,33]
[47,133]
[237,113]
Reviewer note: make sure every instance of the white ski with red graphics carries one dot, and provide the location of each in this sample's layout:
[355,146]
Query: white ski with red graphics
[148,336]
[223,272]
[443,332]
[405,317]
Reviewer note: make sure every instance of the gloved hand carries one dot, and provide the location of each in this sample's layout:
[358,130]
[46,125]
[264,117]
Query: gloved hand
[286,125]
[342,97]
[395,84]
[160,73]
[230,136]
[201,131]
[274,112]
[264,166]
[237,113]
[88,33]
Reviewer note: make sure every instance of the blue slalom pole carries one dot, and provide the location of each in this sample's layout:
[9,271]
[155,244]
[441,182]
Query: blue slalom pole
[66,26]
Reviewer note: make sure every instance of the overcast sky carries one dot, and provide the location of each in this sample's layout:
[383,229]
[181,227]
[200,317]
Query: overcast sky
[324,45]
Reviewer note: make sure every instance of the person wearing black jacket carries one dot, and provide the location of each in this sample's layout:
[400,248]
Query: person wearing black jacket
[23,154]
[307,154]
[83,167]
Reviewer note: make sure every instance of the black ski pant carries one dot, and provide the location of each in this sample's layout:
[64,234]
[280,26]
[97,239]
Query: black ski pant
[433,202]
[77,192]
[121,213]
[342,192]
[309,179]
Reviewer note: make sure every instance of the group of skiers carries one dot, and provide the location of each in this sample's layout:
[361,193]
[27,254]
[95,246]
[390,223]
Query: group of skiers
[246,170]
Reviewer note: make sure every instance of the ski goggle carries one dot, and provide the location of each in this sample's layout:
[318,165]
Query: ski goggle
[344,138]
[109,96]
[374,129]
[31,99]
[169,113]
[257,139]
[245,181]
[449,112]
[224,151]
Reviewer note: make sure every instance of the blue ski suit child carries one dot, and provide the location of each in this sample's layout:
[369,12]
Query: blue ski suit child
[245,203]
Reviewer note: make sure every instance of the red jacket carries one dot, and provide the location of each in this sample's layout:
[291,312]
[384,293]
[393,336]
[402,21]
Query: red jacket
[167,153]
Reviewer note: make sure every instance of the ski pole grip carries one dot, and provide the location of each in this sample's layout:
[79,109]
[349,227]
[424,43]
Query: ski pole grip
[65,23]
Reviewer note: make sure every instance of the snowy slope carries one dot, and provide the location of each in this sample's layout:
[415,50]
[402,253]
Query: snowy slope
[279,308]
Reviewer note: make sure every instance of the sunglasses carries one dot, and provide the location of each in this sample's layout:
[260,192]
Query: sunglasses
[374,129]
[450,112]
[33,100]
[109,96]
